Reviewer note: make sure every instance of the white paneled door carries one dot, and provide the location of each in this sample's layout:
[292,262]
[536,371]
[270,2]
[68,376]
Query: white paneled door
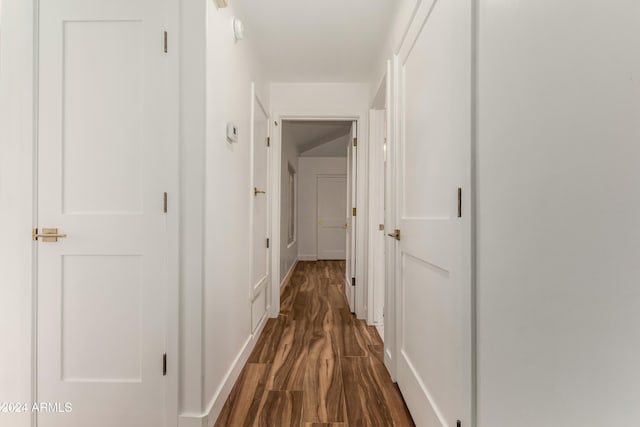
[260,196]
[433,256]
[331,227]
[105,130]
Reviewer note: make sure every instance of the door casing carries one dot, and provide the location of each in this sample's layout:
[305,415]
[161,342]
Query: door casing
[276,161]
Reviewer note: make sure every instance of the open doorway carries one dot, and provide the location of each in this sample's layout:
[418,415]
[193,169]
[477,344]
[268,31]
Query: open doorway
[317,202]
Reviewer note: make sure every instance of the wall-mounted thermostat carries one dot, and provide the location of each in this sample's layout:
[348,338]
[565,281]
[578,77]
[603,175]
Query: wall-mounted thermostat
[232,132]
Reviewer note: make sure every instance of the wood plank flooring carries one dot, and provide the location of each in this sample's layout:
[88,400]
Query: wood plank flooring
[316,364]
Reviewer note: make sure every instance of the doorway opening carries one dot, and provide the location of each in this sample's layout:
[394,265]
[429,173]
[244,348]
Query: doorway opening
[317,203]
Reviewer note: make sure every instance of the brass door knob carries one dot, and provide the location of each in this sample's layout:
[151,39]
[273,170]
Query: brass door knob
[395,234]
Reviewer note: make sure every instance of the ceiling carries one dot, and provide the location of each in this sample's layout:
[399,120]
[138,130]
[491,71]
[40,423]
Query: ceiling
[317,40]
[317,138]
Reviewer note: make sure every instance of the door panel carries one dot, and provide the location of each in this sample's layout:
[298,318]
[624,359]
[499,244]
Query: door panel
[331,229]
[433,256]
[91,183]
[104,137]
[260,263]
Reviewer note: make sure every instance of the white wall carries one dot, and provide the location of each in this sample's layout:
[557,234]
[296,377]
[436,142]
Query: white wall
[310,168]
[288,252]
[558,213]
[333,100]
[404,12]
[16,160]
[319,99]
[192,170]
[227,313]
[334,148]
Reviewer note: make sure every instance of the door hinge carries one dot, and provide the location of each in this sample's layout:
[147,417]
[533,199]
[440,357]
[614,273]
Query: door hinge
[353,211]
[267,243]
[353,281]
[268,141]
[164,364]
[381,227]
[166,42]
[165,202]
[355,142]
[459,202]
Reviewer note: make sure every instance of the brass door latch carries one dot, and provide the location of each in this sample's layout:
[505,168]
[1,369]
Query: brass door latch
[48,235]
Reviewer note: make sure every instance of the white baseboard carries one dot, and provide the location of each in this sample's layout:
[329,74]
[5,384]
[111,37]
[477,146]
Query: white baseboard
[191,420]
[209,418]
[308,257]
[289,273]
[380,328]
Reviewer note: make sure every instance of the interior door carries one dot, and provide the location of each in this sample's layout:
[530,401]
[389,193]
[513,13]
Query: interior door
[433,257]
[105,130]
[352,169]
[331,228]
[260,193]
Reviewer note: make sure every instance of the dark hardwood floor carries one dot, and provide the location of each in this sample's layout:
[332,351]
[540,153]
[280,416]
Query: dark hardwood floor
[316,364]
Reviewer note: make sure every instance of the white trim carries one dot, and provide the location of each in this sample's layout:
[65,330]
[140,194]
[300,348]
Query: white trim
[391,313]
[276,163]
[376,200]
[172,388]
[219,398]
[289,274]
[312,257]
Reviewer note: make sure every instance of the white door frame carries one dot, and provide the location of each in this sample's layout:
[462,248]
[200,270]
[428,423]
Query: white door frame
[276,161]
[377,240]
[390,224]
[172,219]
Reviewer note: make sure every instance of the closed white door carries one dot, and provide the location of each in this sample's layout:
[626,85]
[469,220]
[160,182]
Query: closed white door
[434,301]
[260,193]
[332,202]
[105,130]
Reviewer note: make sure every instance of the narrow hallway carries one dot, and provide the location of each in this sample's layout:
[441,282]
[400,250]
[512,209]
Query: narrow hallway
[316,363]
